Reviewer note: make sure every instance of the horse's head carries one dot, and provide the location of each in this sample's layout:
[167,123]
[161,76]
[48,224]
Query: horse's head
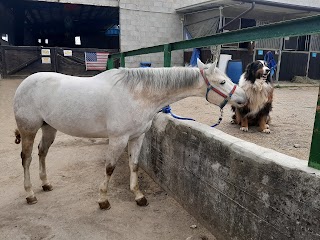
[223,89]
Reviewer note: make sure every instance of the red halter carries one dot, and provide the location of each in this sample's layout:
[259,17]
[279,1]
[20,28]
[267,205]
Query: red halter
[210,87]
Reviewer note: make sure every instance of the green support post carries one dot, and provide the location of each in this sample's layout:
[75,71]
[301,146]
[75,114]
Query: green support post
[122,60]
[110,63]
[167,55]
[314,159]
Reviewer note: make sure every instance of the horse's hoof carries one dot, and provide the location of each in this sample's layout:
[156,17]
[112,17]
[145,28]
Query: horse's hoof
[31,200]
[104,205]
[142,202]
[47,187]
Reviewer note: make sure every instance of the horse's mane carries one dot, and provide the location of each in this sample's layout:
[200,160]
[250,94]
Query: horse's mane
[154,79]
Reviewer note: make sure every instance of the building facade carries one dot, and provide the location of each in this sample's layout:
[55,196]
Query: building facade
[144,23]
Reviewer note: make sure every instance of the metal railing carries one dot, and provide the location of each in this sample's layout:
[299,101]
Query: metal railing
[297,27]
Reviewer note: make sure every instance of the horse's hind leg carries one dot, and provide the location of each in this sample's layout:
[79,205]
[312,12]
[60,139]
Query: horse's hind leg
[134,147]
[48,136]
[114,151]
[27,140]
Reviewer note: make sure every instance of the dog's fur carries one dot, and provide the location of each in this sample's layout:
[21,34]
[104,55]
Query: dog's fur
[256,82]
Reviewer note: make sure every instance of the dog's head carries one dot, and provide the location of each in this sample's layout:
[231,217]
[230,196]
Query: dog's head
[257,70]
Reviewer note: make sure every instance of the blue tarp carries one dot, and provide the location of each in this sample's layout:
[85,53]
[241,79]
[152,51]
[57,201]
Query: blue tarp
[195,55]
[272,64]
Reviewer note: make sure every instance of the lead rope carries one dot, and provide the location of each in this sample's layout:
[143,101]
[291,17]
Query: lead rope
[167,109]
[220,119]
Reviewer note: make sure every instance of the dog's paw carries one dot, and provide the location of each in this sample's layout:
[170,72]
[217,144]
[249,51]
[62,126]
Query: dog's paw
[267,126]
[233,121]
[267,130]
[245,129]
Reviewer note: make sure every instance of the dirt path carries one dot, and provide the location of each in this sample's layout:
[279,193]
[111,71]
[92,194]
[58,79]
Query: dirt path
[75,168]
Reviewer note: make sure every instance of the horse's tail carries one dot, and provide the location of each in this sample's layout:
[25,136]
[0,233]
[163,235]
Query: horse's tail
[18,136]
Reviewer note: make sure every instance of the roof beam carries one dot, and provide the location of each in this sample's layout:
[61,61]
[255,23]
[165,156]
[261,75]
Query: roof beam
[297,27]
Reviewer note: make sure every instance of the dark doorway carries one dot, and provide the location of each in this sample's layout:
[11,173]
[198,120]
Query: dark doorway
[293,64]
[33,23]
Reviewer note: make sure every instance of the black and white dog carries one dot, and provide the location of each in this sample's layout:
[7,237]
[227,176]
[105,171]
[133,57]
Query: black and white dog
[256,82]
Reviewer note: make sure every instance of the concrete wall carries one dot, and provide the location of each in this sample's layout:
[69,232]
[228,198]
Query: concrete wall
[237,189]
[147,23]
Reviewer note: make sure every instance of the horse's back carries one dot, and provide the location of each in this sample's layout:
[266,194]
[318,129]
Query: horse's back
[37,84]
[74,105]
[51,82]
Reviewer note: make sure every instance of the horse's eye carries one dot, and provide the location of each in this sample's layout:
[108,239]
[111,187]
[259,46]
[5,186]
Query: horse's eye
[223,82]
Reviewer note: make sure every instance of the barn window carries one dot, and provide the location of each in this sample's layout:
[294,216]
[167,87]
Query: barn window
[77,40]
[46,41]
[5,37]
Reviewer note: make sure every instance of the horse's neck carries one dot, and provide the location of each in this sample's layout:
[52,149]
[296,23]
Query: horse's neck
[171,96]
[173,85]
[174,95]
[166,97]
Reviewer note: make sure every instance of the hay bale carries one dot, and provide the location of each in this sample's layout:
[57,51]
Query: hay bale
[303,79]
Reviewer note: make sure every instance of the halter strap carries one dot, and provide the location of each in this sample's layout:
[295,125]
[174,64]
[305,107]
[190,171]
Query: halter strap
[210,87]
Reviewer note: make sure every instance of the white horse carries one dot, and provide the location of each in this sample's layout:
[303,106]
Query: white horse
[118,104]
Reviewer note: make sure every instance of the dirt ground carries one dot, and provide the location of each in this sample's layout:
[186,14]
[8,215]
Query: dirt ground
[75,168]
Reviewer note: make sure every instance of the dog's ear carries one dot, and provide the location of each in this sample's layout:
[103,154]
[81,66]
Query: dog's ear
[250,73]
[269,78]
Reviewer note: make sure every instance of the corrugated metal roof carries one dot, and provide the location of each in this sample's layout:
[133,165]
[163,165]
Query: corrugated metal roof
[237,6]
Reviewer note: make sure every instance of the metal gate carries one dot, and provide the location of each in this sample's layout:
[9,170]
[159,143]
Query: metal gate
[19,62]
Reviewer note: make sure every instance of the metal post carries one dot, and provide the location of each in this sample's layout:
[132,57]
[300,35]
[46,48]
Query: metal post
[314,158]
[308,64]
[279,60]
[110,63]
[167,55]
[122,60]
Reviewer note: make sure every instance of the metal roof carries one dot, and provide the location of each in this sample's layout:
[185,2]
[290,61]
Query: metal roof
[267,10]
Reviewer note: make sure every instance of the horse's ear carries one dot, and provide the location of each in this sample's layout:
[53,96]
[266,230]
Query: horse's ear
[213,66]
[200,64]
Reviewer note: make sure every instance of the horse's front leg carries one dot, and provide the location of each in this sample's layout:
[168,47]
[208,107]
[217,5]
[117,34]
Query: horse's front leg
[134,147]
[114,151]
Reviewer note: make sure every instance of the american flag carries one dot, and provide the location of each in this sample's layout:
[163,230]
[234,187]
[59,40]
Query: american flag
[96,60]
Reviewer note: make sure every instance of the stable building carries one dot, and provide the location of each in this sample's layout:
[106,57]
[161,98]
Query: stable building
[55,35]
